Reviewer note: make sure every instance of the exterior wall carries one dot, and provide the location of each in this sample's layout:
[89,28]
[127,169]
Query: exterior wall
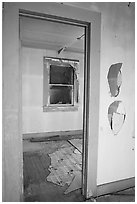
[34,120]
[116,156]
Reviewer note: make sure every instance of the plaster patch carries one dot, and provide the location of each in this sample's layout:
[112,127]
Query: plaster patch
[65,168]
[116,116]
[115,79]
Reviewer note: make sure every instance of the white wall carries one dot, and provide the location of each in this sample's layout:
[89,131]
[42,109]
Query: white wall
[12,154]
[116,156]
[34,120]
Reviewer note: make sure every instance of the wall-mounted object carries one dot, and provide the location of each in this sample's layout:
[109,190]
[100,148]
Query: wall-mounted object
[116,116]
[115,79]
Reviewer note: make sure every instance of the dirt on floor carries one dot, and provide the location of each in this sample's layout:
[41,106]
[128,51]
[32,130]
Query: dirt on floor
[42,182]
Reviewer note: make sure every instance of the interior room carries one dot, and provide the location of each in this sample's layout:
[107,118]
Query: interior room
[52,61]
[68,102]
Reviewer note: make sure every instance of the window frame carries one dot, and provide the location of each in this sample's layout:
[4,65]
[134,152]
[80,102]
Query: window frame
[47,62]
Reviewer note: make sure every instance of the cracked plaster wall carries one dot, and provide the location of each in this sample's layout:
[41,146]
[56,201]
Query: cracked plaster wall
[116,158]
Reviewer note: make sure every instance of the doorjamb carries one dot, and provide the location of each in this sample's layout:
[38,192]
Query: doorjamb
[91,96]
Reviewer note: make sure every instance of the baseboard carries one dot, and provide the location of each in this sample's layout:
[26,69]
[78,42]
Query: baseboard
[115,186]
[54,135]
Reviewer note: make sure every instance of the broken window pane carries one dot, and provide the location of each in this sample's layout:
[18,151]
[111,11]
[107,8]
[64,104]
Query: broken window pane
[61,95]
[61,75]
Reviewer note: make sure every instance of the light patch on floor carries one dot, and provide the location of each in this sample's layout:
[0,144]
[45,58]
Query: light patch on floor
[65,168]
[75,184]
[77,143]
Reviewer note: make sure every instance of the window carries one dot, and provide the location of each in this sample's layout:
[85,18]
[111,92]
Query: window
[61,85]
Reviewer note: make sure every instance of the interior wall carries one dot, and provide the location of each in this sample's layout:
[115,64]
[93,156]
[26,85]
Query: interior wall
[34,119]
[116,155]
[116,152]
[12,155]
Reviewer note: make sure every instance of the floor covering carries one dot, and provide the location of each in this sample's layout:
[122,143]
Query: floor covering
[52,173]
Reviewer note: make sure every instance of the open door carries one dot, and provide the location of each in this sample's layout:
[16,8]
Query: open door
[12,90]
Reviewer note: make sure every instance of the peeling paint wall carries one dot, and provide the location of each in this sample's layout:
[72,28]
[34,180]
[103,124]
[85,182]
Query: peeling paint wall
[116,156]
[116,116]
[115,79]
[34,119]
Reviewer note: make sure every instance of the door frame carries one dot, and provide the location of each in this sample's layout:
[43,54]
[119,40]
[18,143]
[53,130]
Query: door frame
[12,89]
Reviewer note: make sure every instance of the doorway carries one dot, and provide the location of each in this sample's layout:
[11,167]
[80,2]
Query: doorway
[12,117]
[52,61]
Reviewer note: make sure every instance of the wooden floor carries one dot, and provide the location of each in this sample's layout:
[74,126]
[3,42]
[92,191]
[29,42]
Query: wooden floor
[41,184]
[52,171]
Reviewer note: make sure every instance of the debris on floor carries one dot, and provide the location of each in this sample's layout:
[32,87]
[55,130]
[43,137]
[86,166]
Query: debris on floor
[77,143]
[75,184]
[65,168]
[36,161]
[76,151]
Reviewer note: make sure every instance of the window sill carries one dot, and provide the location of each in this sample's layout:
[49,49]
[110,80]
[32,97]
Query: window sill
[57,109]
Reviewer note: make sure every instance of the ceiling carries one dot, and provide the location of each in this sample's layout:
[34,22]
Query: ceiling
[51,35]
